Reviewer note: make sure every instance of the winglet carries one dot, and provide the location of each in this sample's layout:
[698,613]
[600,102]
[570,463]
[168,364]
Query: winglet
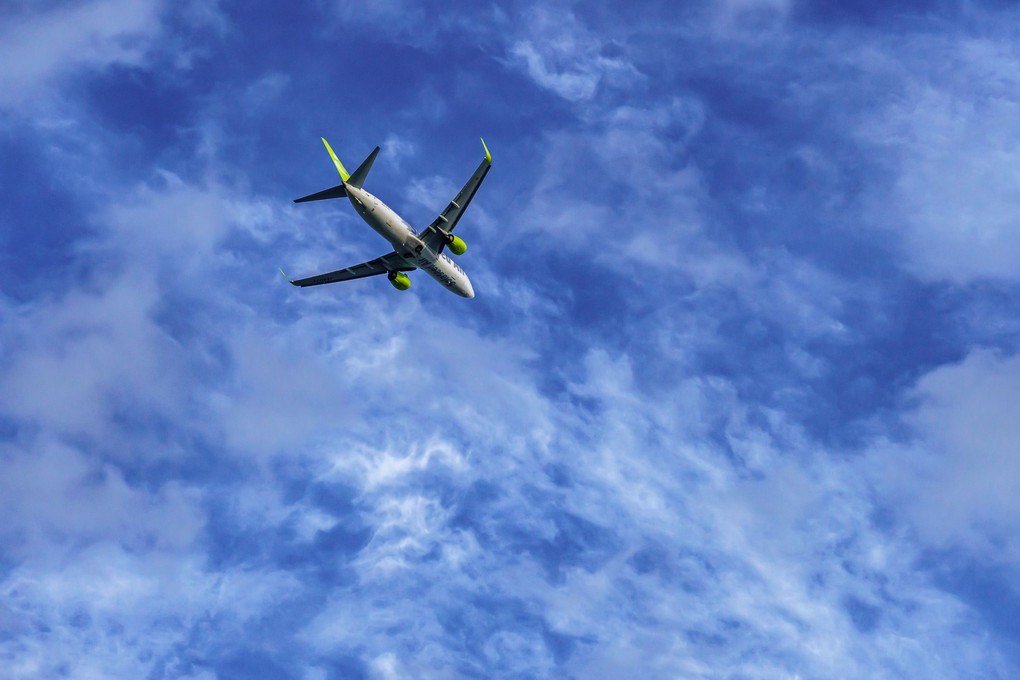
[488,156]
[336,161]
[285,274]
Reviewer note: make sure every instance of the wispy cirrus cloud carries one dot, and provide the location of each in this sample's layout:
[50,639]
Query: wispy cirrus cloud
[560,54]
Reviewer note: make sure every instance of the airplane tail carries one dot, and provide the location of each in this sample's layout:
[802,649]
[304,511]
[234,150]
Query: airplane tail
[358,178]
[344,175]
[355,180]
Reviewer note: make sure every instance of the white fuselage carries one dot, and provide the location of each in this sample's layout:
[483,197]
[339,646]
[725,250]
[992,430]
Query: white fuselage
[407,244]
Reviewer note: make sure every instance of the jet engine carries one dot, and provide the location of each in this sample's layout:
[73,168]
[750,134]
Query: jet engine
[455,244]
[399,280]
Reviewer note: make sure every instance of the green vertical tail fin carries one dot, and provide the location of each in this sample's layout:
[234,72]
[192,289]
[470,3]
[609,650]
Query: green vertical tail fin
[344,175]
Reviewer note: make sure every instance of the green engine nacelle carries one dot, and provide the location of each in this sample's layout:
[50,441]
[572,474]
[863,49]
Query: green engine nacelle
[400,280]
[456,245]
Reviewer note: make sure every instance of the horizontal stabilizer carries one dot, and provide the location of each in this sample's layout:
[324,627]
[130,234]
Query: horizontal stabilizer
[336,192]
[358,178]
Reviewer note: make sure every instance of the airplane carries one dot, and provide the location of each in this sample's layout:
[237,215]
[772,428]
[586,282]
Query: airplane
[411,249]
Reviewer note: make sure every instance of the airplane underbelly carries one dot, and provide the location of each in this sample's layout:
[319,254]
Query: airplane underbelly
[382,220]
[382,227]
[447,275]
[408,244]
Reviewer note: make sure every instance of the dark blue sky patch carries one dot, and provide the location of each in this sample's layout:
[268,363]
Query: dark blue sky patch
[80,619]
[562,646]
[333,74]
[559,474]
[985,313]
[41,219]
[596,299]
[865,617]
[988,588]
[866,12]
[142,104]
[168,451]
[560,287]
[914,332]
[252,663]
[577,542]
[782,169]
[9,428]
[342,541]
[883,351]
[650,559]
[481,619]
[321,562]
[344,667]
[7,561]
[264,644]
[320,559]
[227,543]
[336,499]
[474,504]
[701,638]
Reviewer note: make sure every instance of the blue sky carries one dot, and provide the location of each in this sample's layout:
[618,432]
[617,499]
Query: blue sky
[738,397]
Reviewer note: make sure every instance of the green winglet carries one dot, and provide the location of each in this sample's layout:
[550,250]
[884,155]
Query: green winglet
[488,156]
[287,277]
[336,161]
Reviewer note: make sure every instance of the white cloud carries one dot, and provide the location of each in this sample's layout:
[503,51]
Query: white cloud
[574,83]
[769,559]
[38,48]
[397,148]
[761,560]
[84,358]
[959,482]
[739,18]
[399,11]
[97,353]
[167,222]
[556,50]
[952,144]
[277,398]
[636,154]
[54,497]
[117,612]
[563,56]
[265,91]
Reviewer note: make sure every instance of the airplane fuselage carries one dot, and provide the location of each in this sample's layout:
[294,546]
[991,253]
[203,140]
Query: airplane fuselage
[408,244]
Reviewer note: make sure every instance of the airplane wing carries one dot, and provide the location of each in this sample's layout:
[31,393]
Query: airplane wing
[391,262]
[435,236]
